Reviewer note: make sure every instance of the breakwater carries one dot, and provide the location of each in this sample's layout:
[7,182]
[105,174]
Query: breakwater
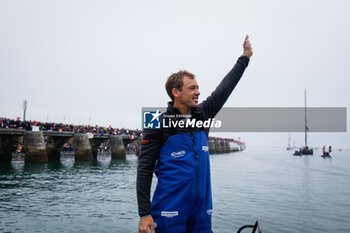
[45,146]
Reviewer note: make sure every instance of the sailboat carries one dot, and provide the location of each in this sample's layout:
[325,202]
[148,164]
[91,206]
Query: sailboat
[289,146]
[305,150]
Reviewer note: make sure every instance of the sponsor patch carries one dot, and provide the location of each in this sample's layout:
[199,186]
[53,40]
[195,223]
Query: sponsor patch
[178,154]
[205,148]
[169,214]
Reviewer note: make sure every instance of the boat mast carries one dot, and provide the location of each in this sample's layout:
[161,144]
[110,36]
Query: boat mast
[289,136]
[289,140]
[306,128]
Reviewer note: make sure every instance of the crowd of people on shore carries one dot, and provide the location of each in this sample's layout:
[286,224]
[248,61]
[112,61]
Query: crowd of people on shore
[95,130]
[60,127]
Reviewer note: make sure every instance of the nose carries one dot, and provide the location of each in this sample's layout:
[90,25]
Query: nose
[197,91]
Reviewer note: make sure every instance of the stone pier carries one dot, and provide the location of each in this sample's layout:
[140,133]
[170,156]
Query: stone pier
[117,147]
[222,146]
[82,147]
[35,148]
[227,147]
[217,147]
[211,145]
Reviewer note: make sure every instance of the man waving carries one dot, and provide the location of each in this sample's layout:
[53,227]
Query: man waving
[179,156]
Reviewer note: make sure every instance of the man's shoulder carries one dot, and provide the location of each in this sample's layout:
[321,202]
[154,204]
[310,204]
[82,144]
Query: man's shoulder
[199,109]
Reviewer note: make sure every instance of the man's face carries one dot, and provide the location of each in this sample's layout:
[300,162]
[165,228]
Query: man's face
[188,97]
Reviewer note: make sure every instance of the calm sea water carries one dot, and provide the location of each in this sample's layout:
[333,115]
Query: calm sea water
[285,193]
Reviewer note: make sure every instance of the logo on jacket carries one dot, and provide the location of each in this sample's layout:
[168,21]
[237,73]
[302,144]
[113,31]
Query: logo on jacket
[169,214]
[178,154]
[151,119]
[205,148]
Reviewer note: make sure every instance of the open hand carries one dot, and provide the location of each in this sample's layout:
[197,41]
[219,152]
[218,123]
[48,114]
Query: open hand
[145,224]
[247,47]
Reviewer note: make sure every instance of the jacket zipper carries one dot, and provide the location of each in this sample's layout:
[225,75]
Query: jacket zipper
[196,164]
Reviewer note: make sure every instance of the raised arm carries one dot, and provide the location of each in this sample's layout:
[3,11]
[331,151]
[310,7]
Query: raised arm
[212,105]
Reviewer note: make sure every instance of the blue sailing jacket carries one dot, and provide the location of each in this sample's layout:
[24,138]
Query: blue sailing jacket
[183,191]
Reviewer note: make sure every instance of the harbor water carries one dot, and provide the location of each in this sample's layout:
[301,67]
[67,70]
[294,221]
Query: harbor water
[284,193]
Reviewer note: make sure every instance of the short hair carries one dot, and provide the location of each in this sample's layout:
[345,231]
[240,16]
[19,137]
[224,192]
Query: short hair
[175,80]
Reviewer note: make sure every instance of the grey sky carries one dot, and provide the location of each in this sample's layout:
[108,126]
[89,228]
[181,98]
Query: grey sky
[99,62]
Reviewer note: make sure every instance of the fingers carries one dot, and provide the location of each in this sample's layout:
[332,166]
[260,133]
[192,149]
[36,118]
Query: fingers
[246,41]
[153,230]
[247,47]
[146,224]
[145,229]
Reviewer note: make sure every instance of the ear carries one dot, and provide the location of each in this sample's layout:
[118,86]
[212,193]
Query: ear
[175,92]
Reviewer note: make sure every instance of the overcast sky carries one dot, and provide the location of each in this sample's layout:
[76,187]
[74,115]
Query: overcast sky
[99,62]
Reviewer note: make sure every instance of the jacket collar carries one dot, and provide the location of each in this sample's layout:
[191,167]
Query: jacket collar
[171,109]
